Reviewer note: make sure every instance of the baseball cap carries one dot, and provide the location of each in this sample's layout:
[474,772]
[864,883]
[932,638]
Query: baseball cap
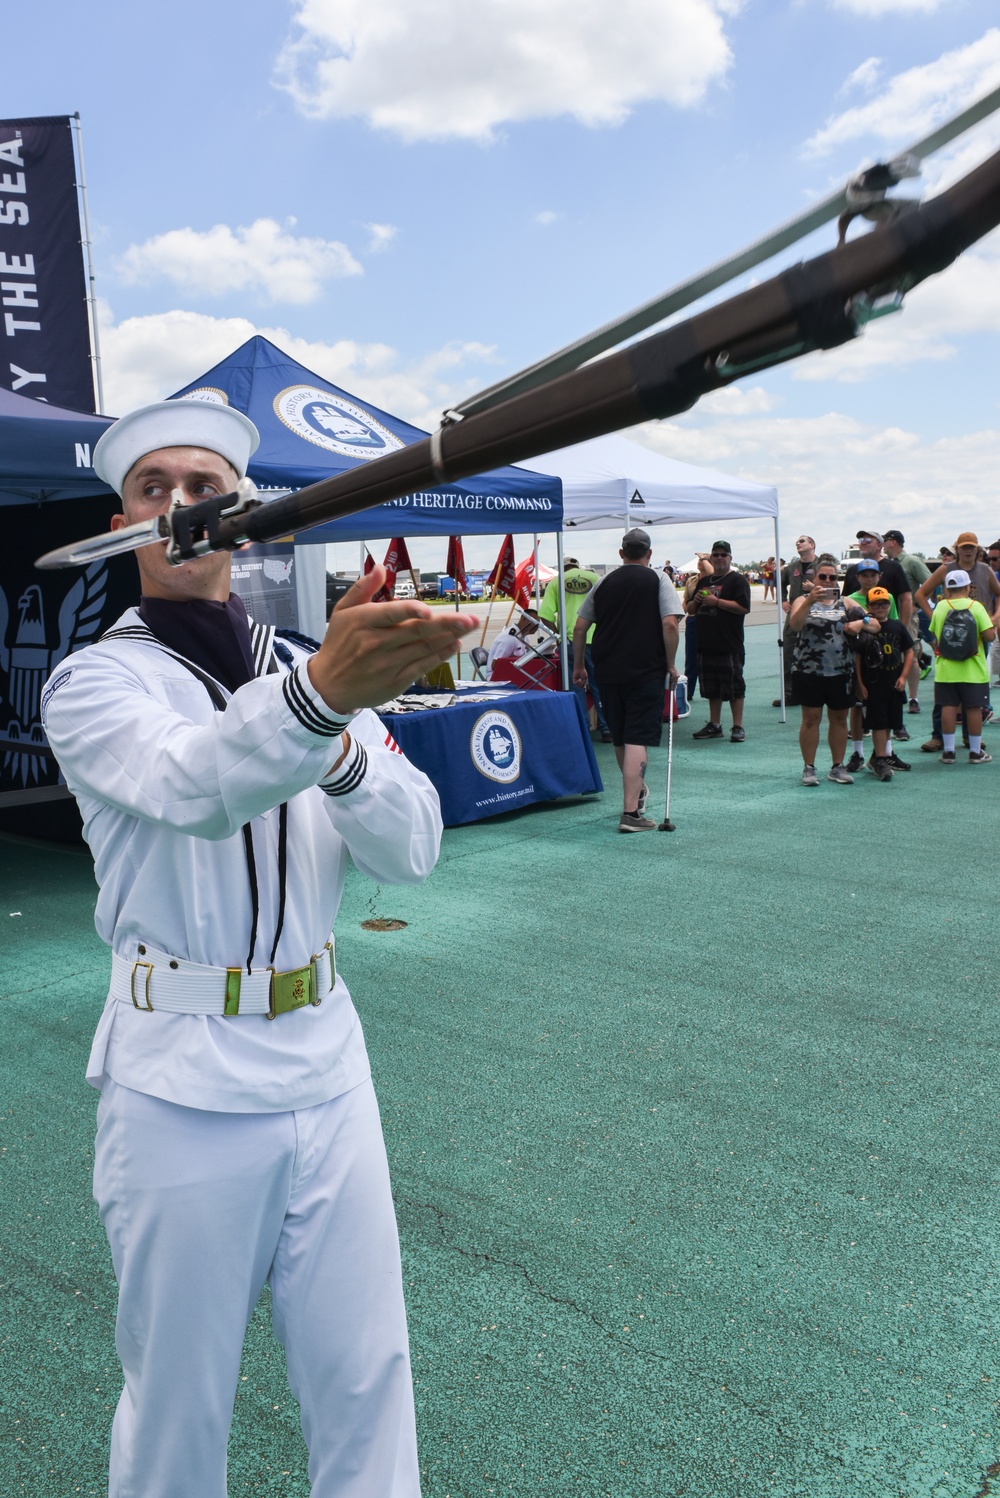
[722,546]
[957,579]
[967,538]
[174,423]
[869,535]
[569,562]
[867,564]
[637,537]
[880,595]
[896,536]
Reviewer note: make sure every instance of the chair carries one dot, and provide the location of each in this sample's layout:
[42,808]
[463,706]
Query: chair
[479,656]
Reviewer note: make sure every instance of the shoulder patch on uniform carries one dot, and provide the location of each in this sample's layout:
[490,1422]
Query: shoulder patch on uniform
[52,688]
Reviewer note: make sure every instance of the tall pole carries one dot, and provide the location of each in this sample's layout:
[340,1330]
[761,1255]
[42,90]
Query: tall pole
[95,342]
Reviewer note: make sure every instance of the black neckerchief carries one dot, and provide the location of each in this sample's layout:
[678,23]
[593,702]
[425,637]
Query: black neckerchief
[215,636]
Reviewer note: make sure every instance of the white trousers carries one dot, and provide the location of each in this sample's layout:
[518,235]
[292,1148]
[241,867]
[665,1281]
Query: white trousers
[200,1209]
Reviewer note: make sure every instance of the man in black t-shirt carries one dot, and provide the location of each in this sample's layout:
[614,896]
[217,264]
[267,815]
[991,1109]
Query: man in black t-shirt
[892,575]
[721,604]
[635,611]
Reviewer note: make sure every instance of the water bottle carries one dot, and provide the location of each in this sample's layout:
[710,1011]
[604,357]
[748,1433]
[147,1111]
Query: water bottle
[681,705]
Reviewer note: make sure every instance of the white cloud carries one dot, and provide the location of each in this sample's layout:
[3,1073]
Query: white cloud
[834,473]
[864,77]
[915,102]
[546,217]
[382,236]
[147,358]
[737,400]
[876,8]
[263,257]
[454,70]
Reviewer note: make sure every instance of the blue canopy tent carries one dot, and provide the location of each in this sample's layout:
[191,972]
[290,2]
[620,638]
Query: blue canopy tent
[311,429]
[45,452]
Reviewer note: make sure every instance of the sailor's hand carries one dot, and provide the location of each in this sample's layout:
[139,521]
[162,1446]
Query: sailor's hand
[372,650]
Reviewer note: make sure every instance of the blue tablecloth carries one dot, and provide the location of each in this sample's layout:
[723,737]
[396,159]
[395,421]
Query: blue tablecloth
[485,758]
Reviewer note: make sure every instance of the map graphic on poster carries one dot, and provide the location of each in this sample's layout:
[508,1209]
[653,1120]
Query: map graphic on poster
[264,577]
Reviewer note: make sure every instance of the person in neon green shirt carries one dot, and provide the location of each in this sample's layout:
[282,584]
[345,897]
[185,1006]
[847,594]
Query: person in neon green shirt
[578,582]
[961,682]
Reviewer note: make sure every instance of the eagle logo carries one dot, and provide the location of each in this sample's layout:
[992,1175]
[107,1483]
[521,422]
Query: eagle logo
[29,659]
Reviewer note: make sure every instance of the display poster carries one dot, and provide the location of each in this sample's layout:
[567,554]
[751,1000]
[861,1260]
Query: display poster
[264,577]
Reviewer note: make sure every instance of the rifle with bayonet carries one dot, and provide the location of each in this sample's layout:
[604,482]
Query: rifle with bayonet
[818,304]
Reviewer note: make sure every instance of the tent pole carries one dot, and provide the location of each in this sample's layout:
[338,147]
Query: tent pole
[95,343]
[563,646]
[781,620]
[534,563]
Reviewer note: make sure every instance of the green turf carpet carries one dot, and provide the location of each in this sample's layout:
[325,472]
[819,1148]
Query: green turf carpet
[694,1143]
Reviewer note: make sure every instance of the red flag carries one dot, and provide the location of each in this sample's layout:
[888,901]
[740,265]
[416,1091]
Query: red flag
[524,577]
[503,578]
[455,565]
[397,559]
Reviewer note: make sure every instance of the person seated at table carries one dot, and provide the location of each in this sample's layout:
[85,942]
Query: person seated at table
[509,644]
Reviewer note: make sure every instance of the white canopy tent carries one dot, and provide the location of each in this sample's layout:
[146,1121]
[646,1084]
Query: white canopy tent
[610,482]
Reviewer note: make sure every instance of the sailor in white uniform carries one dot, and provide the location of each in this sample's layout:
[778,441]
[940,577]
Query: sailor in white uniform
[225,778]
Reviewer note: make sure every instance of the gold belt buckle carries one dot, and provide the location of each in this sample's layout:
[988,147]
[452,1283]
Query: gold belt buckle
[292,990]
[149,973]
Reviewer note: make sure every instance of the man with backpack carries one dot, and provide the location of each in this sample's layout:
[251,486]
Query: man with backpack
[960,625]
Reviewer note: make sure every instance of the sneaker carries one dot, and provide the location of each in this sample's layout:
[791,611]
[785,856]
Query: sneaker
[809,776]
[607,737]
[933,746]
[881,769]
[737,736]
[839,775]
[914,706]
[982,758]
[631,821]
[897,763]
[987,714]
[947,756]
[710,731]
[643,798]
[902,734]
[855,763]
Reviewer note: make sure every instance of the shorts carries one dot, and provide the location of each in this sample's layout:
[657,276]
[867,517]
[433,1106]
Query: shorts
[883,709]
[721,676]
[833,692]
[967,694]
[633,710]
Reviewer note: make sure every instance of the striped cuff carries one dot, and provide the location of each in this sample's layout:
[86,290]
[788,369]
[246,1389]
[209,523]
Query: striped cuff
[350,774]
[308,707]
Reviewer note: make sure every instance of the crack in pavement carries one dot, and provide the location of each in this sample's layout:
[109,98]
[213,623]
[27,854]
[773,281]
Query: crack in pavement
[642,1352]
[23,993]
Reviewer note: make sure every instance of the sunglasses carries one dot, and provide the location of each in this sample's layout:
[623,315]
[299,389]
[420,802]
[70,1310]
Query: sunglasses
[826,577]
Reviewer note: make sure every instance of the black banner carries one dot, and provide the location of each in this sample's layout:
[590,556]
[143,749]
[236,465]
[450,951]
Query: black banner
[44,331]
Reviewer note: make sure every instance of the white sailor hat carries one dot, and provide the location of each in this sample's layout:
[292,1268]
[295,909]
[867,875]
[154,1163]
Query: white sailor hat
[179,423]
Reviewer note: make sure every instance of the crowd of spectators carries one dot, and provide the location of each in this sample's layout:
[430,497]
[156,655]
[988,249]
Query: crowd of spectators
[856,643]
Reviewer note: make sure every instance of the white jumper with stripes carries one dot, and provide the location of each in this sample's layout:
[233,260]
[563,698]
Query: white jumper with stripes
[168,769]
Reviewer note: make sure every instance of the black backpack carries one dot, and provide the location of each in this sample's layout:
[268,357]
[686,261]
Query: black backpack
[959,639]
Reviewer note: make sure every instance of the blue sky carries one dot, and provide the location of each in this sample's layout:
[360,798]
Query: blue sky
[414,199]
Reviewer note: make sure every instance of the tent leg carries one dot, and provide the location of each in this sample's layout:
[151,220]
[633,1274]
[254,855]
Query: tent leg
[781,621]
[563,646]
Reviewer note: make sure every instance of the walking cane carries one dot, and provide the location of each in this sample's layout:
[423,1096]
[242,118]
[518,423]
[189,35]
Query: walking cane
[666,825]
